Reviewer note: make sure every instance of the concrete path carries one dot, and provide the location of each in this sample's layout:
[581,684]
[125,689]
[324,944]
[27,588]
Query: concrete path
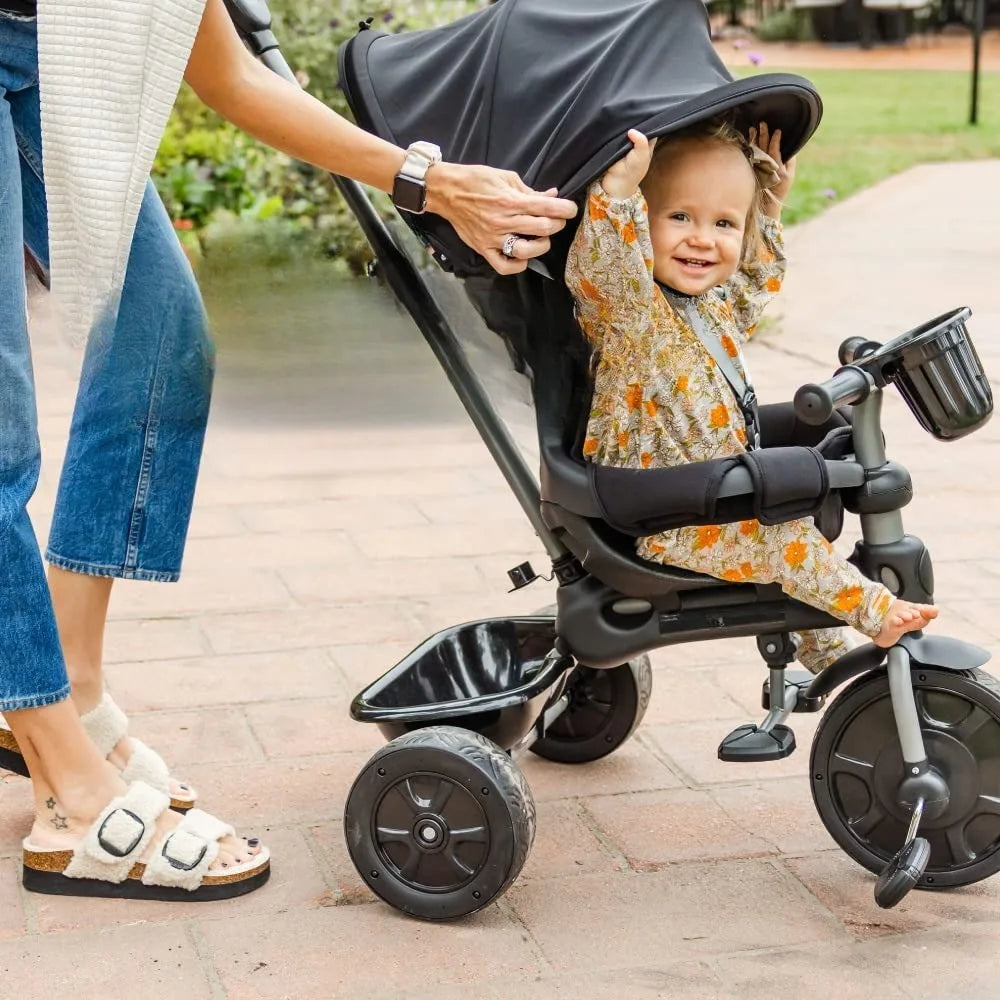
[347,510]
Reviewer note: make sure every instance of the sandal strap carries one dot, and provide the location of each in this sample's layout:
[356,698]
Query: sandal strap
[146,765]
[188,852]
[119,835]
[106,725]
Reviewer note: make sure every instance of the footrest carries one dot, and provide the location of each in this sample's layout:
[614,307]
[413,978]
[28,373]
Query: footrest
[800,679]
[748,743]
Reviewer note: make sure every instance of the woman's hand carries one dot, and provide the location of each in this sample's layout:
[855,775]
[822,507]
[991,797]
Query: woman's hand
[486,206]
[623,179]
[770,143]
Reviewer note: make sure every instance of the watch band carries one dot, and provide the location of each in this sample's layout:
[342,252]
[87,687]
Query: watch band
[409,192]
[420,157]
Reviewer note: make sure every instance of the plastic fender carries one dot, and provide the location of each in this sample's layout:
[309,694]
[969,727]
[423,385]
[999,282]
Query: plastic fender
[939,651]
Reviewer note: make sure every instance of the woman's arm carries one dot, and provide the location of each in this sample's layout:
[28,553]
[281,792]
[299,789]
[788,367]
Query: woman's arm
[482,203]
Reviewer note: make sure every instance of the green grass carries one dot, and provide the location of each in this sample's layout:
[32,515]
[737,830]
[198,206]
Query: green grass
[879,122]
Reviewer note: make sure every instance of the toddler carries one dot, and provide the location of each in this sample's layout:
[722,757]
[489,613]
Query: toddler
[698,250]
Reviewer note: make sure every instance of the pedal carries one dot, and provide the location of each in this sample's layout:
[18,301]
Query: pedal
[748,743]
[800,679]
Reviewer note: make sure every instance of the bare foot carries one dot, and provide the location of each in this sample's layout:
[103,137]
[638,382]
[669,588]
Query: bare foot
[904,616]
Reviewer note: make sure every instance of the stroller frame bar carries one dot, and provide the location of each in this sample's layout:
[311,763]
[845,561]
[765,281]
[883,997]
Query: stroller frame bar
[412,291]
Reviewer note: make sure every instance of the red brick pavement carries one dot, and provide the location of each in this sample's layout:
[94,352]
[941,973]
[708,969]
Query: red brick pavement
[657,872]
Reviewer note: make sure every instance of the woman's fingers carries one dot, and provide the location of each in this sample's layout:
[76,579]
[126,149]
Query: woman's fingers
[526,249]
[502,264]
[533,225]
[541,206]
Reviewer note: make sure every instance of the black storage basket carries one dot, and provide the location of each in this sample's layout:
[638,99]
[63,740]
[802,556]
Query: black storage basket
[940,376]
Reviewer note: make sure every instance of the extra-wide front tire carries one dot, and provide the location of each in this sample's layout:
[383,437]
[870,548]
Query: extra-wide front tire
[857,767]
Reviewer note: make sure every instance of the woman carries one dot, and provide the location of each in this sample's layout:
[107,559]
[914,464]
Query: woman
[109,71]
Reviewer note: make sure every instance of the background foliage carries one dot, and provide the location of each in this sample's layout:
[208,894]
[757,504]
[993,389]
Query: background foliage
[227,192]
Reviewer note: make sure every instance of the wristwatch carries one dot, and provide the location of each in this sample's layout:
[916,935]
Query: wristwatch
[409,191]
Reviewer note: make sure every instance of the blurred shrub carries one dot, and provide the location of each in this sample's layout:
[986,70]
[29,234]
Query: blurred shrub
[227,192]
[789,25]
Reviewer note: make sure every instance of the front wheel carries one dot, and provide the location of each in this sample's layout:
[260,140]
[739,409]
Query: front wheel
[857,767]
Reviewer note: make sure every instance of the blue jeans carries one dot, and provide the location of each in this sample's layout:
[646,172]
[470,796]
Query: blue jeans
[128,479]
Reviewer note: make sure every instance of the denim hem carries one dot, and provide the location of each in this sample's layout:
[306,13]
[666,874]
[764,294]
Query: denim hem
[34,701]
[118,572]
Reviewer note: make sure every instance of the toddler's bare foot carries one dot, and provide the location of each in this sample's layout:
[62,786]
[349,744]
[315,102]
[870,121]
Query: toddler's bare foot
[904,616]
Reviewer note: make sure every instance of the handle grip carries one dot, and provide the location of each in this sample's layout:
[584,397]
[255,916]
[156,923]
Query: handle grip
[814,404]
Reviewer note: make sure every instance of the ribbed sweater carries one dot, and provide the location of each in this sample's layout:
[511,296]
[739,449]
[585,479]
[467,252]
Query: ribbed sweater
[109,72]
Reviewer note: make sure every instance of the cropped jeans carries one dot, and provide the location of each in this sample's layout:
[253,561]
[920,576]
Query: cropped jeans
[127,482]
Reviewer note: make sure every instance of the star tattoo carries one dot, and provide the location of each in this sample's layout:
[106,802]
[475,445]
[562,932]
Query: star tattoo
[51,803]
[60,822]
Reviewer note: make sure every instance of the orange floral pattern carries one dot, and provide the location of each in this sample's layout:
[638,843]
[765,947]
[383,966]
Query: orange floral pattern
[660,401]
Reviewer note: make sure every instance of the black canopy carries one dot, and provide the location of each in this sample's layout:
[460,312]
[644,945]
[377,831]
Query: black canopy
[549,88]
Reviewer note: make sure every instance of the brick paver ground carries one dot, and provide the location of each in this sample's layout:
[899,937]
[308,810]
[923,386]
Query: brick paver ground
[347,510]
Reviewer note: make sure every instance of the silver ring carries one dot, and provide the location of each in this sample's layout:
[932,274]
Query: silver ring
[508,245]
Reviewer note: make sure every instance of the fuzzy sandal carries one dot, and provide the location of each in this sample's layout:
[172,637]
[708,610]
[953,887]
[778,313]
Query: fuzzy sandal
[10,752]
[106,862]
[106,726]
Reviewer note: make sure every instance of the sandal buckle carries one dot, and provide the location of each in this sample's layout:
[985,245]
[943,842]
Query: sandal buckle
[191,843]
[119,832]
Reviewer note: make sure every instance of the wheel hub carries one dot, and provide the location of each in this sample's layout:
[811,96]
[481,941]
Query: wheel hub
[431,832]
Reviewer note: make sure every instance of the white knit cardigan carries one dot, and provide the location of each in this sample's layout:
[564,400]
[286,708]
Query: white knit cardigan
[109,72]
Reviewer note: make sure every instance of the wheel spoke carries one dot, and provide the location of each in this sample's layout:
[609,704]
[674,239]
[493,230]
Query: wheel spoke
[441,796]
[407,793]
[971,724]
[409,868]
[469,835]
[987,805]
[863,825]
[961,853]
[565,723]
[456,862]
[843,764]
[589,720]
[389,835]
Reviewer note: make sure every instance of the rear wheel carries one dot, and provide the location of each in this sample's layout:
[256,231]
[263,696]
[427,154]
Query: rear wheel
[857,767]
[605,709]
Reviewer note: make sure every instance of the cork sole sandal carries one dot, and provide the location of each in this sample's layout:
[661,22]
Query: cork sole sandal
[105,864]
[107,725]
[10,754]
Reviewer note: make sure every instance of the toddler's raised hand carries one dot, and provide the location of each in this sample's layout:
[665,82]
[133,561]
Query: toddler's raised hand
[622,179]
[770,143]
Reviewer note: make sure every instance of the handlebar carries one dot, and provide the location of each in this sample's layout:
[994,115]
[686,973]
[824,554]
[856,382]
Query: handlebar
[814,404]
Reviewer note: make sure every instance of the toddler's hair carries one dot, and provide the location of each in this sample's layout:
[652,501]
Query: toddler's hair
[715,130]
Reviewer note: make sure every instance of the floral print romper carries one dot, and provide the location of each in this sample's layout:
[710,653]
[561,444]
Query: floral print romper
[660,400]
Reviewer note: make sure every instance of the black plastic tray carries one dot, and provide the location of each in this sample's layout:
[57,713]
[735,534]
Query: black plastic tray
[493,676]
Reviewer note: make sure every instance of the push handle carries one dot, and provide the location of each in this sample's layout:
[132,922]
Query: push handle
[814,404]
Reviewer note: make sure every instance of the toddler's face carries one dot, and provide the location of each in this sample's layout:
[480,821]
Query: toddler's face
[698,201]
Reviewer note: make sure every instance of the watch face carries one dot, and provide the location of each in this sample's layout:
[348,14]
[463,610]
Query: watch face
[408,194]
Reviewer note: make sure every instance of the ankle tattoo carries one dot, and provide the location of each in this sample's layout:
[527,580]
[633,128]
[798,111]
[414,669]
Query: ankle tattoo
[58,821]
